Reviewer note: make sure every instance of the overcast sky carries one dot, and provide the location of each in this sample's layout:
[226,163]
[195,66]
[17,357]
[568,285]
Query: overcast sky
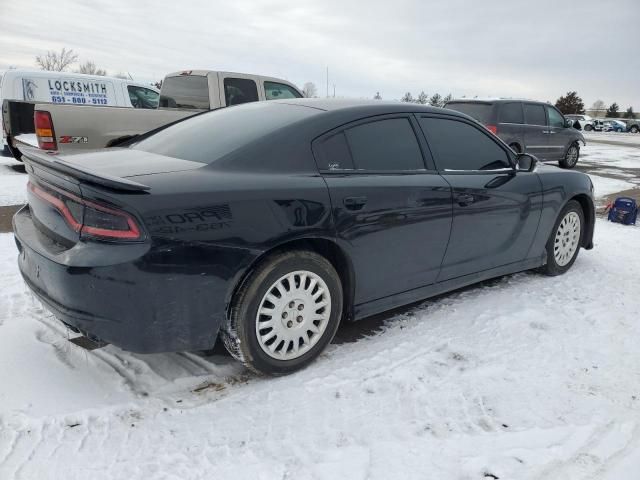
[536,49]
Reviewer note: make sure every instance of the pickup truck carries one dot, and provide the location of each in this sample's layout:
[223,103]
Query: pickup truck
[69,129]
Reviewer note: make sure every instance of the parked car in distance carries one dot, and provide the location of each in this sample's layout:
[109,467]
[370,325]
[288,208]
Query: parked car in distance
[66,129]
[527,127]
[21,90]
[277,226]
[584,121]
[633,126]
[614,126]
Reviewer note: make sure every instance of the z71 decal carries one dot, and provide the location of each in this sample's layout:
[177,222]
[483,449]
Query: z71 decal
[71,139]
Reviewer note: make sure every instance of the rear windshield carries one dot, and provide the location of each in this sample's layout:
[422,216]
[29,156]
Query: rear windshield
[480,111]
[208,137]
[185,92]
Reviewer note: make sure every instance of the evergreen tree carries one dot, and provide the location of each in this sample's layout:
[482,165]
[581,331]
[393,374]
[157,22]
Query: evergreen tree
[407,98]
[423,98]
[447,99]
[436,100]
[377,96]
[612,111]
[570,103]
[629,113]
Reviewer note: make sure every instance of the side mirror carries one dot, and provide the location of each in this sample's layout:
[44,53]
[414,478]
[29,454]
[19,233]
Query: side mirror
[526,162]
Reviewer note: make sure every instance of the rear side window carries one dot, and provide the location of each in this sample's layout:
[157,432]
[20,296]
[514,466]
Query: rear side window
[480,111]
[208,137]
[511,113]
[460,146]
[534,114]
[240,90]
[385,145]
[185,92]
[274,91]
[335,154]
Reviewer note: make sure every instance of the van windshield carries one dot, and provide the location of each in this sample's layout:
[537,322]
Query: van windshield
[210,136]
[480,111]
[185,91]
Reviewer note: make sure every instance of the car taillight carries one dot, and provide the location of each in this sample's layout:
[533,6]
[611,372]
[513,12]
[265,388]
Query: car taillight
[90,219]
[492,128]
[44,130]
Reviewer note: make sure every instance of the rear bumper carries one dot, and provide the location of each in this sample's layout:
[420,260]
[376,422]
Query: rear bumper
[124,299]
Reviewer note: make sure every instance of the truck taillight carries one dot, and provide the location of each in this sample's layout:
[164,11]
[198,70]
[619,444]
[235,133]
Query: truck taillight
[88,218]
[492,128]
[44,130]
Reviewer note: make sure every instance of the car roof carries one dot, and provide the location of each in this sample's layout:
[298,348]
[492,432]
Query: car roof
[365,106]
[496,100]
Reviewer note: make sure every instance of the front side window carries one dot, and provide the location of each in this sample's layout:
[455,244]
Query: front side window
[275,91]
[534,114]
[240,90]
[142,97]
[555,119]
[389,144]
[459,146]
[511,113]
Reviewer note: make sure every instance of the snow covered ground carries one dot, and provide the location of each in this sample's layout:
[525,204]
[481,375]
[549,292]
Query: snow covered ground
[523,377]
[13,182]
[630,138]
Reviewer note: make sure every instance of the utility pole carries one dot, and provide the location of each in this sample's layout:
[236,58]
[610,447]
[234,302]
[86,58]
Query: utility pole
[327,81]
[334,90]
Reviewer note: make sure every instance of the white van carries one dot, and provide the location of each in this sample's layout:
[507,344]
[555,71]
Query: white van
[74,89]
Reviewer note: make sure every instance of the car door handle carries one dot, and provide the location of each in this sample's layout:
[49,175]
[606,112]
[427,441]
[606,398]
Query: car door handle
[465,199]
[354,203]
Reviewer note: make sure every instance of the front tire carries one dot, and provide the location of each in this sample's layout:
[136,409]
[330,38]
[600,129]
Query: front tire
[565,240]
[285,313]
[588,128]
[571,157]
[634,129]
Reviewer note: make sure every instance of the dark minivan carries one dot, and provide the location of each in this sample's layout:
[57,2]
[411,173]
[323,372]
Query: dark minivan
[527,126]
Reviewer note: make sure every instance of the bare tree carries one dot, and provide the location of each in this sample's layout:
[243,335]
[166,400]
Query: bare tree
[309,90]
[377,96]
[56,62]
[599,106]
[90,68]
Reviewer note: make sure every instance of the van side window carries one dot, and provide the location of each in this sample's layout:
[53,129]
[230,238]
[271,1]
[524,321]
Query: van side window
[534,114]
[511,113]
[555,119]
[274,91]
[459,146]
[142,97]
[239,90]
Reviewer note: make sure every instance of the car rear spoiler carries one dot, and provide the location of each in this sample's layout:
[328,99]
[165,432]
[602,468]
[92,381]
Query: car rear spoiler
[76,171]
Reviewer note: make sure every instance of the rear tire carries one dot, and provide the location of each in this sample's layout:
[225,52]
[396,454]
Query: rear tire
[285,313]
[565,240]
[588,128]
[634,129]
[571,156]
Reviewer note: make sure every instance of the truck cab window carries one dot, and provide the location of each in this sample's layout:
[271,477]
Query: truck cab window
[274,91]
[240,90]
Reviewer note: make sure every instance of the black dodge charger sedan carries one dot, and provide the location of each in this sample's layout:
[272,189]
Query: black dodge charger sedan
[268,223]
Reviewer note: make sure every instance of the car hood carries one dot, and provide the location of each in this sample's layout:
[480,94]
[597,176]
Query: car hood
[127,162]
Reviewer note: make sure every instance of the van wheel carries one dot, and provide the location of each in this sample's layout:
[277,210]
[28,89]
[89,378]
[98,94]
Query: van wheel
[588,128]
[571,157]
[635,129]
[285,313]
[565,240]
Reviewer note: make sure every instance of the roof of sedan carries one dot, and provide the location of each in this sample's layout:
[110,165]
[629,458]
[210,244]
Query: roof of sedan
[333,104]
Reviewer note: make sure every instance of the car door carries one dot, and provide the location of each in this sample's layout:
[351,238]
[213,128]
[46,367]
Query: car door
[535,137]
[496,209]
[559,136]
[392,211]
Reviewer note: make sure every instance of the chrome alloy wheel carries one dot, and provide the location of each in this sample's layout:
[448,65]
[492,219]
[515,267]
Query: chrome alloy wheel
[567,239]
[572,155]
[293,315]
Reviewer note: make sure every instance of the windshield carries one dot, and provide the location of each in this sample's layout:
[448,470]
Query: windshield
[480,111]
[206,138]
